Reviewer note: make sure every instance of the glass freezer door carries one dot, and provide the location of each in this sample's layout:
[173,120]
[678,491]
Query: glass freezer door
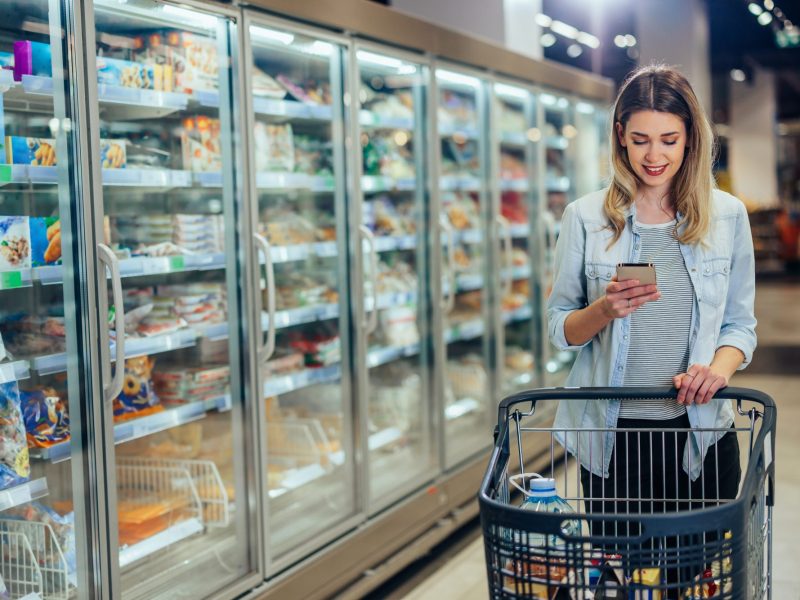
[164,104]
[391,117]
[559,137]
[295,88]
[43,315]
[462,180]
[512,145]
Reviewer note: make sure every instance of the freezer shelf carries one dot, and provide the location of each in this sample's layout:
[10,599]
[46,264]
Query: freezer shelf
[516,273]
[468,133]
[371,184]
[558,184]
[290,109]
[370,119]
[468,236]
[382,356]
[389,243]
[159,541]
[14,371]
[144,426]
[146,178]
[460,408]
[23,493]
[275,181]
[455,183]
[461,332]
[521,314]
[520,230]
[509,138]
[514,185]
[557,142]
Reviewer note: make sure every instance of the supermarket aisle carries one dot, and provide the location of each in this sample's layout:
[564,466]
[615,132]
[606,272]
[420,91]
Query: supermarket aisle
[774,370]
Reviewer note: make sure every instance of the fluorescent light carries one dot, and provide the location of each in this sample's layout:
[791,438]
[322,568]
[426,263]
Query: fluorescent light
[738,75]
[584,108]
[755,8]
[534,134]
[588,39]
[542,20]
[620,41]
[569,132]
[574,50]
[769,4]
[547,40]
[270,35]
[630,40]
[457,78]
[191,16]
[379,59]
[765,18]
[568,31]
[407,70]
[509,91]
[547,99]
[562,103]
[319,48]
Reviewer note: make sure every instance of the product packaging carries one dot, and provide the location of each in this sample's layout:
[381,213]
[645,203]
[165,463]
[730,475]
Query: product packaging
[15,465]
[46,417]
[650,579]
[6,62]
[191,60]
[38,152]
[15,243]
[274,148]
[112,154]
[128,74]
[45,241]
[200,145]
[32,58]
[137,398]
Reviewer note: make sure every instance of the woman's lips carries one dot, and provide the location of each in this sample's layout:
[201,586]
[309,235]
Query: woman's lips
[655,171]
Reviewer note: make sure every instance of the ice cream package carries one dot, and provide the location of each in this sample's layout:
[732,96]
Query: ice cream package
[138,397]
[15,243]
[15,465]
[128,74]
[45,241]
[46,418]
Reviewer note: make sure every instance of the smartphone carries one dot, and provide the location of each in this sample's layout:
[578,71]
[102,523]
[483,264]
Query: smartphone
[644,272]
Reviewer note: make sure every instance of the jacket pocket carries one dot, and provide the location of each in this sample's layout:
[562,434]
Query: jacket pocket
[598,276]
[716,277]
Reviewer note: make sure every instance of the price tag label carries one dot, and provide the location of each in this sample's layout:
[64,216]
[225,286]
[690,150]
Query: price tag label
[10,280]
[176,263]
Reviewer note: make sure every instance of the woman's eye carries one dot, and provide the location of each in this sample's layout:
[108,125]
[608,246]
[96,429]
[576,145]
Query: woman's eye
[672,143]
[639,143]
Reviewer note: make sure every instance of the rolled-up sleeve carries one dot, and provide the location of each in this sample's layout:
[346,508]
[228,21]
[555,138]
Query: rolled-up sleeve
[738,321]
[569,280]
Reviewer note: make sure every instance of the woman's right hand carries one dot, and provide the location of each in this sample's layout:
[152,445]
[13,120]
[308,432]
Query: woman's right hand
[624,297]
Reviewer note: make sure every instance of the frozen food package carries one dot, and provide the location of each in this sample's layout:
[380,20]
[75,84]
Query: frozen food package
[274,148]
[194,61]
[201,145]
[125,73]
[37,152]
[46,417]
[265,86]
[113,154]
[32,58]
[15,465]
[45,241]
[15,243]
[137,397]
[399,325]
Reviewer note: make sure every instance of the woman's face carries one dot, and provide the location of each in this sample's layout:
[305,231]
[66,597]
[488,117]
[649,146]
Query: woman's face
[655,143]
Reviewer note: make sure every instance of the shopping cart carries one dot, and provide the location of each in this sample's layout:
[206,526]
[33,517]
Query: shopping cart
[647,543]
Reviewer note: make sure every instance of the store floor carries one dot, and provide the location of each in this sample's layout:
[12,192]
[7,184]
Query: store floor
[458,571]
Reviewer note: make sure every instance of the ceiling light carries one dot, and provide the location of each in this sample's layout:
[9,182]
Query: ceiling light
[562,103]
[191,16]
[534,134]
[547,40]
[319,48]
[568,31]
[509,91]
[755,8]
[584,108]
[270,35]
[630,40]
[574,50]
[548,99]
[457,78]
[620,41]
[379,59]
[769,4]
[543,20]
[738,75]
[765,18]
[587,39]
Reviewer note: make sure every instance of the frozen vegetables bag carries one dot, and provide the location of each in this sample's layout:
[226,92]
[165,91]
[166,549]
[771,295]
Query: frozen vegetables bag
[15,466]
[137,398]
[46,418]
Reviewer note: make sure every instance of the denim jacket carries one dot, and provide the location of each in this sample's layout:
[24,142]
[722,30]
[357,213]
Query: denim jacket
[723,277]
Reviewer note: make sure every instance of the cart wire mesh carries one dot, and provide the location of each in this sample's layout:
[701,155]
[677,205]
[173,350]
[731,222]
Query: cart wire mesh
[637,526]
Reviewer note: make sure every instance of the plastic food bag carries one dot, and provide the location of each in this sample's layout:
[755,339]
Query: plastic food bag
[15,465]
[46,417]
[137,397]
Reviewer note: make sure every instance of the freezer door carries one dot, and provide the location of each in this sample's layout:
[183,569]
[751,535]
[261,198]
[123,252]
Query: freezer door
[50,544]
[295,91]
[163,104]
[513,138]
[465,207]
[394,360]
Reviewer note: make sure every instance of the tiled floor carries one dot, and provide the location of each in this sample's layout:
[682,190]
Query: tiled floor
[776,371]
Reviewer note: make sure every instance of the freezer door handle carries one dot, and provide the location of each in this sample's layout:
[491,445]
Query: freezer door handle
[113,388]
[268,347]
[371,319]
[505,232]
[449,300]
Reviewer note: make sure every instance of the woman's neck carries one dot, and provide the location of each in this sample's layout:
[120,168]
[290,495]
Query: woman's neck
[654,206]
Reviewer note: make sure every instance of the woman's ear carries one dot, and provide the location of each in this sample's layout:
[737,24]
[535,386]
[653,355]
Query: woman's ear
[620,133]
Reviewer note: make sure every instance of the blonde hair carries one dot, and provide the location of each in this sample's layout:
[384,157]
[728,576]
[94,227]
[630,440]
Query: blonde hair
[664,89]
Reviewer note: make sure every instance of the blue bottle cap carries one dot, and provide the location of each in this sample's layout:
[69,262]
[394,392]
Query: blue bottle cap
[543,484]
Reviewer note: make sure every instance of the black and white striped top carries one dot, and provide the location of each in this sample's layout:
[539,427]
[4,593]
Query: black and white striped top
[659,331]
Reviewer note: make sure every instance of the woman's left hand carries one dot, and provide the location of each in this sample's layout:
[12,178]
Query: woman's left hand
[698,385]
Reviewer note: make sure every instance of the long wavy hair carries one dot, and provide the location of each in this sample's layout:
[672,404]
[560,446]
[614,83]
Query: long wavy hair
[664,89]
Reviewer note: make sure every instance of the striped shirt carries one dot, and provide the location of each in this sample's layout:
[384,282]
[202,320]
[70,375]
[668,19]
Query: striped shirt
[659,331]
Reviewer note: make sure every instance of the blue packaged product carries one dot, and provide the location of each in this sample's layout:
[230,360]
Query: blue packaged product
[45,241]
[126,73]
[37,152]
[15,465]
[32,58]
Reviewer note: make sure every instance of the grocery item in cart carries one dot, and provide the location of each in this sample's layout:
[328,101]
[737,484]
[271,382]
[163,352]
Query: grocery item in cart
[46,417]
[45,241]
[274,147]
[14,459]
[137,398]
[15,243]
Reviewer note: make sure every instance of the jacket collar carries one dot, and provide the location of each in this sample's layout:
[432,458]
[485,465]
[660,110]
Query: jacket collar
[630,215]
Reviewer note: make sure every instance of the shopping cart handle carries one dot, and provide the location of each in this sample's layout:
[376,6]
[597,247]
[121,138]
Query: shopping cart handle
[611,393]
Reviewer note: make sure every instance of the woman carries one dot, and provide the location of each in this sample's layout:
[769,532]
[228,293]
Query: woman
[693,329]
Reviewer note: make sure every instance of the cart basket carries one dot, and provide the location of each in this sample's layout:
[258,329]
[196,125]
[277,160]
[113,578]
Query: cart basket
[627,520]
